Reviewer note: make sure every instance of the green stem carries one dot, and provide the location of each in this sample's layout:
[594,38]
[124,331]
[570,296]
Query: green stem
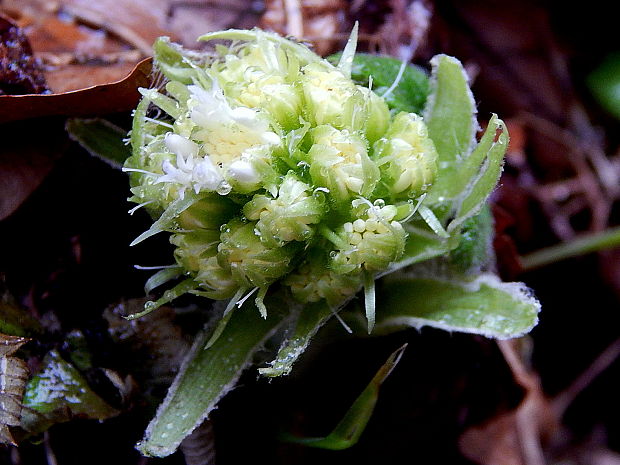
[593,242]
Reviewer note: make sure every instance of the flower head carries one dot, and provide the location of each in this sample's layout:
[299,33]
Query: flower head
[270,164]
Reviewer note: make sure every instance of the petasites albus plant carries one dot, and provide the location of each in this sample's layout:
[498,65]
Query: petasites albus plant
[289,183]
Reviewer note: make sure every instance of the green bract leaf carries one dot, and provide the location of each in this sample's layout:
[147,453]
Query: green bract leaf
[348,431]
[411,90]
[168,218]
[101,139]
[311,318]
[481,305]
[300,50]
[450,115]
[207,375]
[483,169]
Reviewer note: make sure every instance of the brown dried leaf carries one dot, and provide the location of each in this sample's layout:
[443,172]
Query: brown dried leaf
[515,437]
[26,157]
[13,376]
[115,97]
[137,23]
[20,73]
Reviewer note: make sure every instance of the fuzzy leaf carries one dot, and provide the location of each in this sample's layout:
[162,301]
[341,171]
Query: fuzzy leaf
[13,376]
[450,116]
[101,139]
[483,169]
[348,431]
[482,305]
[207,375]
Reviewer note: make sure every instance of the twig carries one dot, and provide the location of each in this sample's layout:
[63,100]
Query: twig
[294,18]
[527,418]
[601,363]
[593,242]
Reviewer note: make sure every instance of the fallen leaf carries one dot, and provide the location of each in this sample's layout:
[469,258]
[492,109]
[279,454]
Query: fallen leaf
[20,73]
[13,376]
[515,437]
[27,156]
[115,97]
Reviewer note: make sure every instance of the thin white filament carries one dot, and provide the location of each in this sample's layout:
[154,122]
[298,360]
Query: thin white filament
[396,81]
[134,209]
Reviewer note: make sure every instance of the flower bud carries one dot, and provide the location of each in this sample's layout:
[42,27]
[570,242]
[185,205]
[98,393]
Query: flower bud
[313,281]
[331,98]
[217,282]
[192,247]
[406,157]
[288,215]
[370,243]
[250,262]
[210,212]
[339,162]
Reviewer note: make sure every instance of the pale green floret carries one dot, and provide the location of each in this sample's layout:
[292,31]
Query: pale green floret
[192,247]
[263,76]
[339,162]
[313,281]
[331,98]
[210,212]
[406,157]
[369,243]
[250,262]
[287,216]
[217,282]
[377,115]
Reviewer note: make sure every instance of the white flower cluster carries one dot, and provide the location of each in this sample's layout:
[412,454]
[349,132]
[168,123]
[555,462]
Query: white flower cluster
[271,164]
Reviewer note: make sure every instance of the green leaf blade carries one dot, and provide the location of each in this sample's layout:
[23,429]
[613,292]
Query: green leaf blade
[207,375]
[450,115]
[482,305]
[101,139]
[491,150]
[411,91]
[349,429]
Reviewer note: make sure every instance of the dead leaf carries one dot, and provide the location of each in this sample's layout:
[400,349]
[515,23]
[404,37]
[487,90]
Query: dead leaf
[13,376]
[115,97]
[515,437]
[20,73]
[26,158]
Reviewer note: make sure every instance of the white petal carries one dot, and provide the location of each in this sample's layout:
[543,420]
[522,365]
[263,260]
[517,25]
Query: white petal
[243,171]
[179,145]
